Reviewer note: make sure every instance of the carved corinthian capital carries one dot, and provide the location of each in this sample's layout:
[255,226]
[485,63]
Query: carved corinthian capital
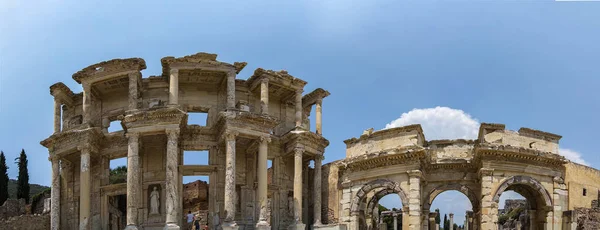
[298,151]
[231,135]
[265,139]
[172,134]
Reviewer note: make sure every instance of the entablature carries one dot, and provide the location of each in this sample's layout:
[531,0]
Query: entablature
[66,142]
[314,96]
[62,93]
[159,118]
[485,152]
[109,69]
[312,143]
[246,124]
[200,61]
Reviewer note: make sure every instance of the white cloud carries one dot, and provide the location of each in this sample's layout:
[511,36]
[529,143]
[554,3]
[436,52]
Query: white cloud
[572,156]
[440,123]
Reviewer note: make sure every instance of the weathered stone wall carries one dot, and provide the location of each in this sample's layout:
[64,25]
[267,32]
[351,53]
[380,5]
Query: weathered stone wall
[195,196]
[374,142]
[26,222]
[12,207]
[580,177]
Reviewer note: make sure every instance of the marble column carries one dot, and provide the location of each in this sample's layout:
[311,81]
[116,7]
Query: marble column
[425,220]
[395,216]
[85,187]
[55,196]
[174,87]
[262,183]
[87,103]
[319,114]
[230,191]
[451,220]
[105,124]
[299,108]
[297,222]
[133,90]
[317,189]
[414,199]
[231,90]
[431,220]
[133,180]
[57,115]
[172,180]
[264,96]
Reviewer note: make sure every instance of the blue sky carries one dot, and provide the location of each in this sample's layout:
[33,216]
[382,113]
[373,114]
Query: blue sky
[522,63]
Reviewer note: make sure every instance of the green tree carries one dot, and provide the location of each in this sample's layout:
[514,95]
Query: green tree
[3,179]
[446,222]
[437,217]
[118,175]
[23,178]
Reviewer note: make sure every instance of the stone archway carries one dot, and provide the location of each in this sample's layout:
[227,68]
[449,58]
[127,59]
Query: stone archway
[428,199]
[360,209]
[537,196]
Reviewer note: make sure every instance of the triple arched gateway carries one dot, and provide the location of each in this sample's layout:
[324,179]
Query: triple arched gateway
[401,161]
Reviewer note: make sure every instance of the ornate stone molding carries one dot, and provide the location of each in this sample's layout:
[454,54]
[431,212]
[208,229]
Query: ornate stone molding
[109,67]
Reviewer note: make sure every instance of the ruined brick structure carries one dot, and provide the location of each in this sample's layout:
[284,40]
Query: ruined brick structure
[266,119]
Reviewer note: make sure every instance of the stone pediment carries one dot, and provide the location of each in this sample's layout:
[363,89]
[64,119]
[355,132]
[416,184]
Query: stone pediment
[200,60]
[111,67]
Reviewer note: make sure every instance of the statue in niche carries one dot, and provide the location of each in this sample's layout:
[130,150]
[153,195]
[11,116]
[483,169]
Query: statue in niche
[154,201]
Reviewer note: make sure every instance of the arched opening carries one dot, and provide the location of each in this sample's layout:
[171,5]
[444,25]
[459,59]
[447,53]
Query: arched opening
[384,210]
[449,210]
[365,204]
[523,203]
[456,199]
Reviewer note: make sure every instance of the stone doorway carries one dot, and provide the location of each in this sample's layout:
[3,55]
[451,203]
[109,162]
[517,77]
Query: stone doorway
[117,212]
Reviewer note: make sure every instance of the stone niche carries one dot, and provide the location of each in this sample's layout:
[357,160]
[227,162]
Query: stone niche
[155,200]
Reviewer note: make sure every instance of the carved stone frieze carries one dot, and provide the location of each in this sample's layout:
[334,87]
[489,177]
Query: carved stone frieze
[110,67]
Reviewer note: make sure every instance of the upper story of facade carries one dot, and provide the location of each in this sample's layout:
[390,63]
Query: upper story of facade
[268,102]
[493,142]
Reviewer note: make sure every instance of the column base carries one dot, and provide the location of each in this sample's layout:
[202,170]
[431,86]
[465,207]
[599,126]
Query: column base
[263,226]
[131,227]
[230,226]
[171,227]
[297,226]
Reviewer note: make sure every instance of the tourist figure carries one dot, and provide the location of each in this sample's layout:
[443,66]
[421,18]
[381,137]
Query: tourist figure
[154,201]
[190,219]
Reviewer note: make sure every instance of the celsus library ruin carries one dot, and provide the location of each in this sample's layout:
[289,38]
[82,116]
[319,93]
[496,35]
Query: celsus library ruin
[265,166]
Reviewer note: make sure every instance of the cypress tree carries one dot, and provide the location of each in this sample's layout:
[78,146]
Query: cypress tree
[437,217]
[3,179]
[446,222]
[23,179]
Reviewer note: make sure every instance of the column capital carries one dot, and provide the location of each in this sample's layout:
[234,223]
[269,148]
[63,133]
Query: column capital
[174,71]
[172,133]
[265,139]
[319,100]
[132,135]
[299,91]
[451,215]
[87,148]
[264,80]
[230,134]
[86,85]
[319,157]
[415,173]
[486,172]
[298,151]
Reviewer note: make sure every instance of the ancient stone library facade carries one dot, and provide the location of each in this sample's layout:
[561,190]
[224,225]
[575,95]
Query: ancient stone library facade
[260,147]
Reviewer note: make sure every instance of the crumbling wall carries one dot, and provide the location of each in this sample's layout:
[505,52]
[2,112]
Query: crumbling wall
[26,222]
[12,207]
[587,218]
